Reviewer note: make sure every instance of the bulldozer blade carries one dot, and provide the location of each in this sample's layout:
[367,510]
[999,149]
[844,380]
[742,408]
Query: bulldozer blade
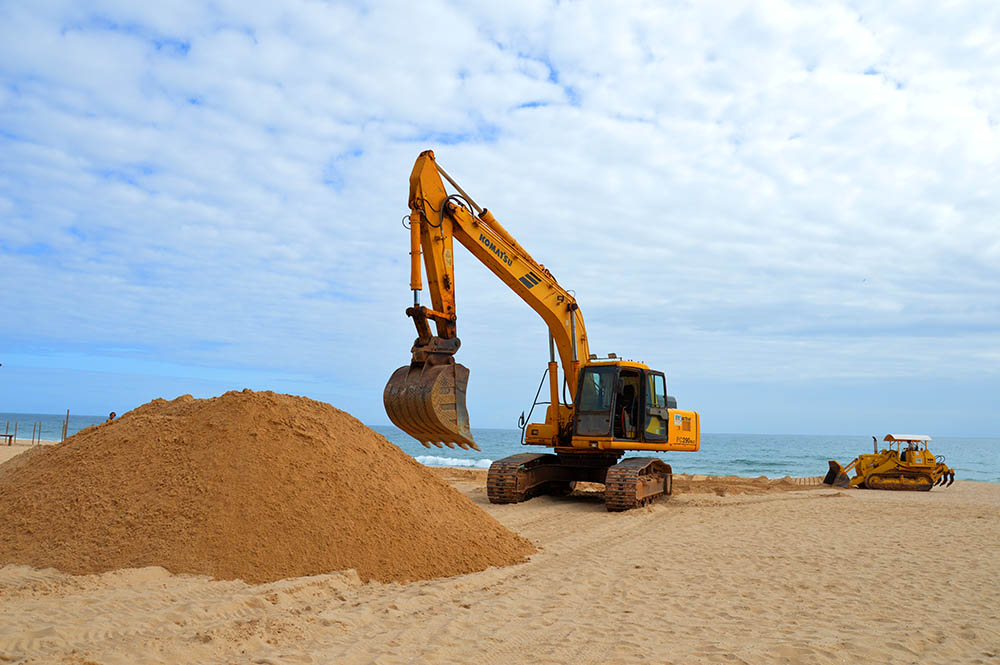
[836,476]
[428,403]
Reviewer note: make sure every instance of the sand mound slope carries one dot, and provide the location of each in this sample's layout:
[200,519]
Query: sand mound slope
[257,486]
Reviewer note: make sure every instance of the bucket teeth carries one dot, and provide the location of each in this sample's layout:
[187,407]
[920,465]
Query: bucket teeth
[428,403]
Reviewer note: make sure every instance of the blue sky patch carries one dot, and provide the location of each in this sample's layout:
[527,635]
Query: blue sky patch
[174,47]
[334,173]
[155,199]
[35,249]
[484,133]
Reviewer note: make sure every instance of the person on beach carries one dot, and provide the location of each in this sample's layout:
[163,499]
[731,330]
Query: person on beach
[111,416]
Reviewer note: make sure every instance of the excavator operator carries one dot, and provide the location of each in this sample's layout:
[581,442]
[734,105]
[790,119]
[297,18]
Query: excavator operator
[625,420]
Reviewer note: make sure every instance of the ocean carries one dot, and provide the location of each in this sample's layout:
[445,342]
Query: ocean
[52,424]
[771,455]
[752,455]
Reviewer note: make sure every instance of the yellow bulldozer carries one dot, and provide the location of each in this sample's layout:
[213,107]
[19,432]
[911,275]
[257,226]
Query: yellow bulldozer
[913,468]
[616,405]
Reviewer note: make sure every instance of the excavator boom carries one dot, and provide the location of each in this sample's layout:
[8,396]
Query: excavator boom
[427,398]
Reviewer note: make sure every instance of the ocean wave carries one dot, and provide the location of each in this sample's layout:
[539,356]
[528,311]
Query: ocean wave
[434,460]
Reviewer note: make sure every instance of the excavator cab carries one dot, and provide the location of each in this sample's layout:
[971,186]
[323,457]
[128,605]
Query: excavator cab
[626,402]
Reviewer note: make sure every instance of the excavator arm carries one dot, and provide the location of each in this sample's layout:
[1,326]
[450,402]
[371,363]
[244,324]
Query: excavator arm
[436,218]
[427,398]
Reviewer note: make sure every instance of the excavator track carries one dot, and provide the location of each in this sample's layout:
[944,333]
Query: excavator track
[507,480]
[906,481]
[636,482]
[519,477]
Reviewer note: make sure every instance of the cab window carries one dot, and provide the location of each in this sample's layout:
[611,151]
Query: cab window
[656,391]
[595,395]
[656,408]
[597,389]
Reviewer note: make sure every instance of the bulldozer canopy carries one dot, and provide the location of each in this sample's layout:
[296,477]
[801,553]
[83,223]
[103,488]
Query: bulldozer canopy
[907,437]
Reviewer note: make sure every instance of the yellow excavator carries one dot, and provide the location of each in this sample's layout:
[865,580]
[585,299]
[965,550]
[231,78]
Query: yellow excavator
[914,468]
[617,405]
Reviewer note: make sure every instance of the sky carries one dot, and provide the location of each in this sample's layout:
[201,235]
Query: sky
[790,208]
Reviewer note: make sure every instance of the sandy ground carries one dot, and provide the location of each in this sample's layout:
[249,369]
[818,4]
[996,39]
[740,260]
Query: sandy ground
[7,452]
[726,571]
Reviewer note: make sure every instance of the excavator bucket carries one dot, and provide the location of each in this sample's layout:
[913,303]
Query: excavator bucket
[836,476]
[428,403]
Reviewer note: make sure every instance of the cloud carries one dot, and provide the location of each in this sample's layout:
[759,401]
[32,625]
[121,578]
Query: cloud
[733,190]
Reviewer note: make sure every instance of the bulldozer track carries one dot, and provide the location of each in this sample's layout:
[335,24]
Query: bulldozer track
[900,482]
[623,483]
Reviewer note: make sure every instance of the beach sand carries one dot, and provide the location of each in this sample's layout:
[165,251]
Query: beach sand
[726,571]
[9,452]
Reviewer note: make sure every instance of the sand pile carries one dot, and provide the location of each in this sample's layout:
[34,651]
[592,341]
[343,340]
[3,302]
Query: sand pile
[257,486]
